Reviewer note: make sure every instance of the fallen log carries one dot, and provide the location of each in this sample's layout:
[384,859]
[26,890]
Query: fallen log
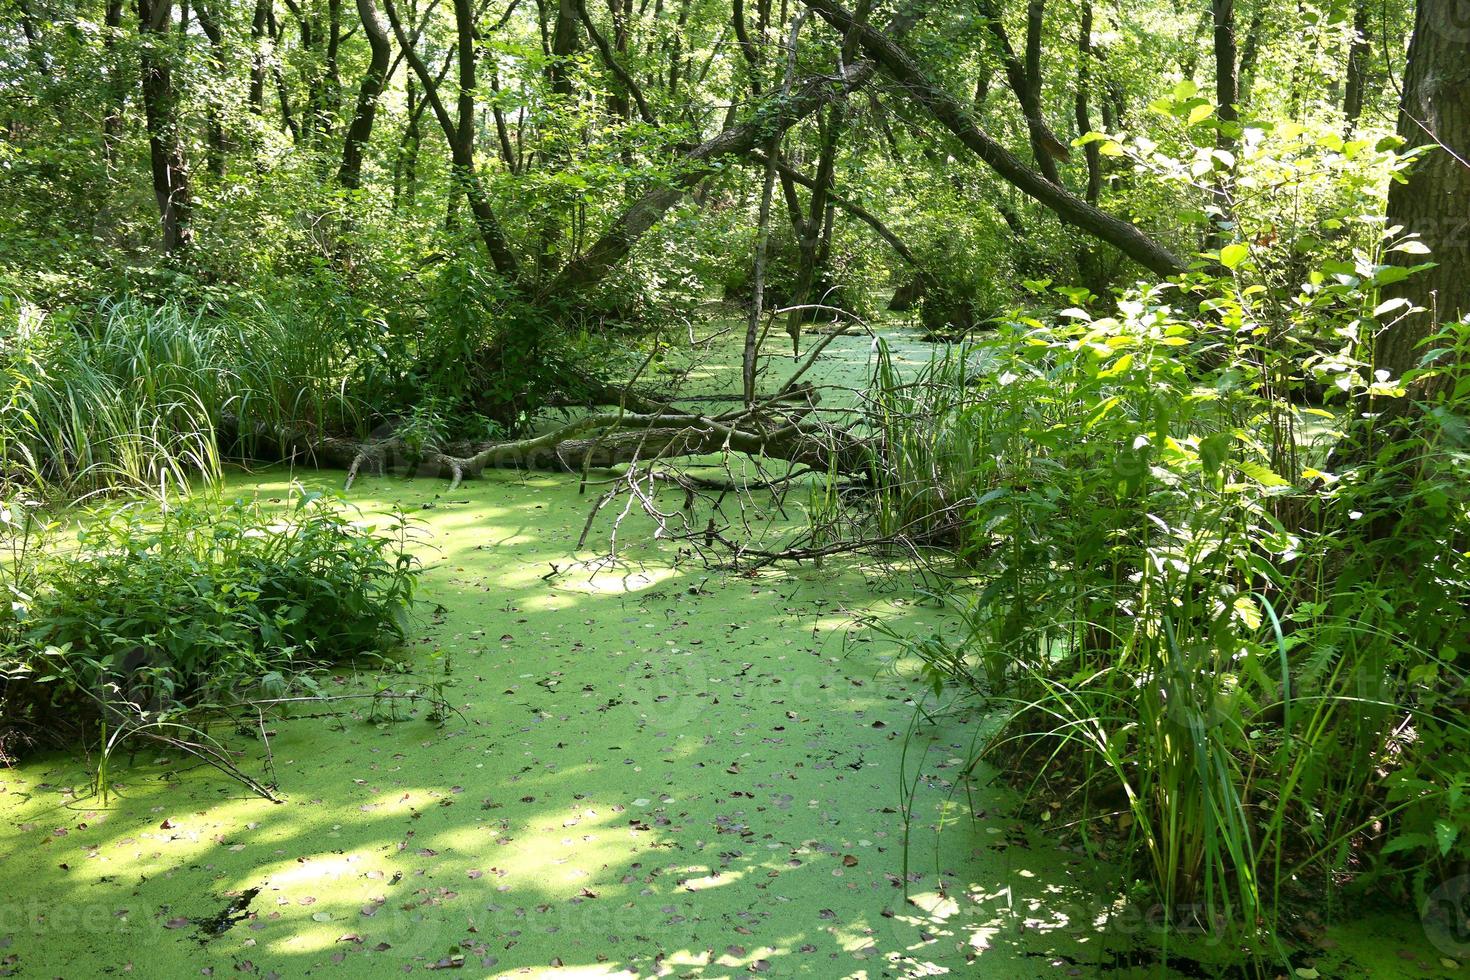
[599,441]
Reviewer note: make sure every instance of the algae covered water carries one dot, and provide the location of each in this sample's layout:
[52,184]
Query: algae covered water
[647,768]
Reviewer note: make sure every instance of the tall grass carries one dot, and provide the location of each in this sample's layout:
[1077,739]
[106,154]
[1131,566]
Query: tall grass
[135,396]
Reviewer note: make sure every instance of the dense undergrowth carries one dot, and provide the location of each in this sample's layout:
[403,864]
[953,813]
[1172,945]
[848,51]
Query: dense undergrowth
[1222,584]
[170,616]
[147,394]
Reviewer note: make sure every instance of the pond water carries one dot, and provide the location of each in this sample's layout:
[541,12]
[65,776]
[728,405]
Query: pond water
[651,768]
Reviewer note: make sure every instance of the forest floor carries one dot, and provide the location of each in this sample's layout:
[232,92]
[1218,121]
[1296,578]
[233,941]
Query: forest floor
[651,768]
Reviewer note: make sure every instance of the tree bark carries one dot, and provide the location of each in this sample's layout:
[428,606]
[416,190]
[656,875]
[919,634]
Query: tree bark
[601,440]
[1092,151]
[1227,95]
[1434,203]
[610,59]
[565,41]
[118,83]
[851,207]
[35,44]
[258,25]
[1249,53]
[1359,52]
[216,144]
[736,141]
[1024,77]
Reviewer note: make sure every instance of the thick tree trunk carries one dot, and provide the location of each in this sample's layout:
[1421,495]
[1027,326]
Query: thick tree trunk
[1434,203]
[565,42]
[258,33]
[1227,95]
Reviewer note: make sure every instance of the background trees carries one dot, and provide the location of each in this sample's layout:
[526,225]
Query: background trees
[558,120]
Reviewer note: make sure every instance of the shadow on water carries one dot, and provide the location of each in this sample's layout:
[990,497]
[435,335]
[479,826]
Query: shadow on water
[650,769]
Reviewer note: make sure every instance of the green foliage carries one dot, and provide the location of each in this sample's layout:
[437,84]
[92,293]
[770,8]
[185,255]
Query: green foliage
[196,605]
[1205,608]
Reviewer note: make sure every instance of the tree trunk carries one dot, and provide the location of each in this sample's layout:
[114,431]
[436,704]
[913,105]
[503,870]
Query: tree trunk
[165,142]
[613,246]
[1434,203]
[1092,150]
[1025,81]
[119,83]
[216,144]
[1249,54]
[349,175]
[1227,95]
[1359,52]
[258,26]
[814,230]
[461,135]
[565,40]
[35,44]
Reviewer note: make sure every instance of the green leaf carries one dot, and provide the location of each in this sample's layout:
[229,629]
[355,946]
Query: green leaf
[1445,834]
[1263,475]
[1214,450]
[1248,612]
[1232,255]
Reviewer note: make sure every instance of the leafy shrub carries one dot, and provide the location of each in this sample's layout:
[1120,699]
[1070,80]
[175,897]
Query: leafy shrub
[1235,645]
[196,606]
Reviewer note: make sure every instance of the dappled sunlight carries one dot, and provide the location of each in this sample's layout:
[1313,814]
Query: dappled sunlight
[650,769]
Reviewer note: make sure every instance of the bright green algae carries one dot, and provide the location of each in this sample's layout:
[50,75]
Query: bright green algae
[651,769]
[703,753]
